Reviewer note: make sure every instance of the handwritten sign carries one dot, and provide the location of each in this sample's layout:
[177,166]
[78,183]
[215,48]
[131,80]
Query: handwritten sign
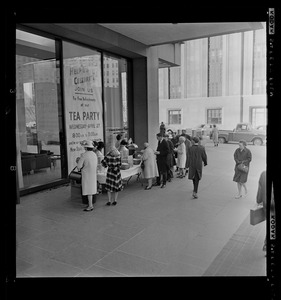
[83,103]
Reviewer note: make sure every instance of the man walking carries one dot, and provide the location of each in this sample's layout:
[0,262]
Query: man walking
[161,159]
[197,156]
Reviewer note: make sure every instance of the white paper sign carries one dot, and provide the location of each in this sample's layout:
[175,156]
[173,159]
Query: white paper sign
[83,103]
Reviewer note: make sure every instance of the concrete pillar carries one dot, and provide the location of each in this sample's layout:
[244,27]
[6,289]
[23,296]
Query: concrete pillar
[140,101]
[152,96]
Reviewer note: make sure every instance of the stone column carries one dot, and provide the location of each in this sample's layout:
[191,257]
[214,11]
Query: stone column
[152,96]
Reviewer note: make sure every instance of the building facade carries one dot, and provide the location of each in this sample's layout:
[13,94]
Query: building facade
[221,80]
[91,81]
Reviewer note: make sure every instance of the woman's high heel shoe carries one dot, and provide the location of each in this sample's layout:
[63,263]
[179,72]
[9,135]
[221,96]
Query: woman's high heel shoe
[148,188]
[89,209]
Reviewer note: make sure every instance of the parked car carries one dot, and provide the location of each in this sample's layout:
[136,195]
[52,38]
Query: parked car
[243,131]
[261,128]
[203,129]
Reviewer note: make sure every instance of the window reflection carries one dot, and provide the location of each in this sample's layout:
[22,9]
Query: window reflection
[115,99]
[38,138]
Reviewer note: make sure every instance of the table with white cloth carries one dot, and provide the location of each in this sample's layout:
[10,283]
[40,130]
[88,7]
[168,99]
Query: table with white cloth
[126,175]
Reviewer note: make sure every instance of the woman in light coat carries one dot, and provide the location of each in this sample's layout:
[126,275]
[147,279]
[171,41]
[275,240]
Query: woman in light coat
[181,160]
[215,135]
[150,166]
[87,163]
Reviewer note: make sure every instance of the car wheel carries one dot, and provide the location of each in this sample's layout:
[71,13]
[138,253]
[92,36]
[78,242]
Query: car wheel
[257,142]
[222,140]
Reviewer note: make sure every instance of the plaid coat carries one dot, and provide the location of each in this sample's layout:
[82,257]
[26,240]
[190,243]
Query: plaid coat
[113,175]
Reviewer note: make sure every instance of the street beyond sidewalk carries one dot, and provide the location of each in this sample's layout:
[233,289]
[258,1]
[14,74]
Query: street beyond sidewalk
[160,232]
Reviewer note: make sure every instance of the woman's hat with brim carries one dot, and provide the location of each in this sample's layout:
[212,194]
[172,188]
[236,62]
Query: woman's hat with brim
[88,144]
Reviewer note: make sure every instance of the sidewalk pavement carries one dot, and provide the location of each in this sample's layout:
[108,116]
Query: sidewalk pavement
[160,232]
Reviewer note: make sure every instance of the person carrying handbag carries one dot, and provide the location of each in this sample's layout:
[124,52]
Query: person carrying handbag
[242,157]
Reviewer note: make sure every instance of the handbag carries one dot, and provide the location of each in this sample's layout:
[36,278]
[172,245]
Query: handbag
[257,215]
[142,165]
[75,176]
[243,168]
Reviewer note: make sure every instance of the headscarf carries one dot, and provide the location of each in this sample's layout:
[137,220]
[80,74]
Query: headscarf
[113,151]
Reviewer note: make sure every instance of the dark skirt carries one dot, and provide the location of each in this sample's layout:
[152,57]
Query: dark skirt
[240,176]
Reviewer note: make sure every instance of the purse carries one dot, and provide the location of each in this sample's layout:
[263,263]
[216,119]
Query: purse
[75,176]
[142,165]
[257,215]
[243,168]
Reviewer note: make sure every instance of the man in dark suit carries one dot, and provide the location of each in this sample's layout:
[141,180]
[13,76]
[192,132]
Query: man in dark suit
[161,159]
[197,156]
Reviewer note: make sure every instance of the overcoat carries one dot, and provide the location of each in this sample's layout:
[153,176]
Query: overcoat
[171,161]
[241,156]
[161,158]
[88,164]
[215,135]
[150,167]
[187,146]
[197,156]
[181,161]
[113,174]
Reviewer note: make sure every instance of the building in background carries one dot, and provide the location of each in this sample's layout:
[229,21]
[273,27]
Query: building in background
[91,81]
[221,80]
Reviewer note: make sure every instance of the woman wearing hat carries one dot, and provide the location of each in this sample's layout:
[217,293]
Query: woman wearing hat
[113,184]
[87,163]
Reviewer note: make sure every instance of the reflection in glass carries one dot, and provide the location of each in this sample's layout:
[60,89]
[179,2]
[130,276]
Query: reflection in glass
[115,99]
[83,98]
[38,138]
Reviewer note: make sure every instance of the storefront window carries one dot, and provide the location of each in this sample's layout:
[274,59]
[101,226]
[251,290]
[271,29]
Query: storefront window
[83,98]
[38,124]
[115,99]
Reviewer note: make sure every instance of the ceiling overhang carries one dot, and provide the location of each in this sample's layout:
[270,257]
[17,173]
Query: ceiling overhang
[153,34]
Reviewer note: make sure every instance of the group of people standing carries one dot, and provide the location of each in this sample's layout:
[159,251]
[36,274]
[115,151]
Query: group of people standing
[185,153]
[89,162]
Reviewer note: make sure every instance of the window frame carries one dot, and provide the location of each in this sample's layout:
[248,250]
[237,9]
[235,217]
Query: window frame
[214,109]
[174,110]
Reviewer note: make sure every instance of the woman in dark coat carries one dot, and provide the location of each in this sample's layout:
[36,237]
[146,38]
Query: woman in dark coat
[241,155]
[197,156]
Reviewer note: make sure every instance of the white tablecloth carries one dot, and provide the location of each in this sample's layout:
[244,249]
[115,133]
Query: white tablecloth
[136,169]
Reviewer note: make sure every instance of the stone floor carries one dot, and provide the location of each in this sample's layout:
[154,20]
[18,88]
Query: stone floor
[160,232]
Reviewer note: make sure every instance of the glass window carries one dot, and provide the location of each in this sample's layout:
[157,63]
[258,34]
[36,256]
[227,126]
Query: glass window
[163,83]
[83,98]
[175,83]
[215,66]
[258,116]
[214,116]
[259,62]
[174,117]
[115,99]
[38,110]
